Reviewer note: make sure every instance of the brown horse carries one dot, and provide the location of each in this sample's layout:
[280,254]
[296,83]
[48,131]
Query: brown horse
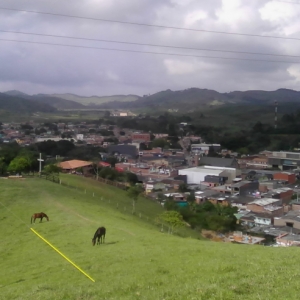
[100,235]
[39,216]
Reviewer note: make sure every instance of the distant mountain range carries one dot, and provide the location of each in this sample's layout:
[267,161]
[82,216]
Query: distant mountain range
[185,100]
[195,99]
[17,104]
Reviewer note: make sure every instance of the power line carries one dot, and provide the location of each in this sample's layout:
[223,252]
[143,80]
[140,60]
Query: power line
[144,44]
[152,25]
[151,52]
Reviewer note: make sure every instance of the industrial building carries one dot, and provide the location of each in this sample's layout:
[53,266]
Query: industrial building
[201,174]
[284,160]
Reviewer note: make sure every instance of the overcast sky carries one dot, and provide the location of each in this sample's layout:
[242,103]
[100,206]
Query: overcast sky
[38,68]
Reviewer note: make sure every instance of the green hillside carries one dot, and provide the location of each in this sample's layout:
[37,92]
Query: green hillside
[96,100]
[137,261]
[21,105]
[195,99]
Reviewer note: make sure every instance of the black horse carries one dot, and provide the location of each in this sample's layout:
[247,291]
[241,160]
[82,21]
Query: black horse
[39,216]
[100,235]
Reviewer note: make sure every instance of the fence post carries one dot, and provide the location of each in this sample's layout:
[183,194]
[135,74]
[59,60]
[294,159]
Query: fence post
[117,205]
[93,194]
[140,215]
[85,191]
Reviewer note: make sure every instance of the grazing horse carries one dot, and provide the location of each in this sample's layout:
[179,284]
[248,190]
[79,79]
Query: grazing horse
[39,216]
[100,235]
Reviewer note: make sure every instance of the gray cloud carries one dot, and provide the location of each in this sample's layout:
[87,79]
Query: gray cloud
[35,68]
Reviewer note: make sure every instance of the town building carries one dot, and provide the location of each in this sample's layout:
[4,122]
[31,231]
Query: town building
[74,165]
[143,137]
[291,220]
[218,162]
[287,177]
[204,148]
[284,160]
[197,175]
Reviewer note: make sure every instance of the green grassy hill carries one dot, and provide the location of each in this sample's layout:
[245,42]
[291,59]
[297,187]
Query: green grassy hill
[96,100]
[195,99]
[21,105]
[137,261]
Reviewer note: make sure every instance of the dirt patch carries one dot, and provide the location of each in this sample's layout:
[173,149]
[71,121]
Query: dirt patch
[212,235]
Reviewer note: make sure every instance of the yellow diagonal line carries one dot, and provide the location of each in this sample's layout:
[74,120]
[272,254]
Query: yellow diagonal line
[62,255]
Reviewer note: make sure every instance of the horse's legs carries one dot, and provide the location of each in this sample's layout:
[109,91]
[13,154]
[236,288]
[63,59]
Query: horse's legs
[41,219]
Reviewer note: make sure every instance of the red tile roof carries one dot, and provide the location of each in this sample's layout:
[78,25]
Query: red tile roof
[74,164]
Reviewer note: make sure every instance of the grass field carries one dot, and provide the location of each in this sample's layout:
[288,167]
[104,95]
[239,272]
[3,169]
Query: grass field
[137,261]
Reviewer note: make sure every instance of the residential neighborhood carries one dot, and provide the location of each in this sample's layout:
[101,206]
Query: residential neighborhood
[263,187]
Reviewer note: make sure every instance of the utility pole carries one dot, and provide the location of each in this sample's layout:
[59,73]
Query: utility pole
[40,161]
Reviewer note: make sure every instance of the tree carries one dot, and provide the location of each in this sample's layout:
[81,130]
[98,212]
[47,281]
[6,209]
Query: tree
[3,165]
[134,192]
[191,200]
[108,173]
[173,218]
[30,156]
[182,188]
[9,152]
[112,160]
[96,169]
[143,146]
[131,178]
[160,197]
[18,165]
[52,168]
[170,204]
[159,143]
[106,114]
[63,147]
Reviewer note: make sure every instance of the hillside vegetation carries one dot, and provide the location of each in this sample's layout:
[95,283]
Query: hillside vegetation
[188,100]
[96,100]
[136,262]
[195,99]
[18,104]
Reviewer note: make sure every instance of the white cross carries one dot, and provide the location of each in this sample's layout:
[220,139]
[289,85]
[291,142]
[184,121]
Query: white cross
[40,160]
